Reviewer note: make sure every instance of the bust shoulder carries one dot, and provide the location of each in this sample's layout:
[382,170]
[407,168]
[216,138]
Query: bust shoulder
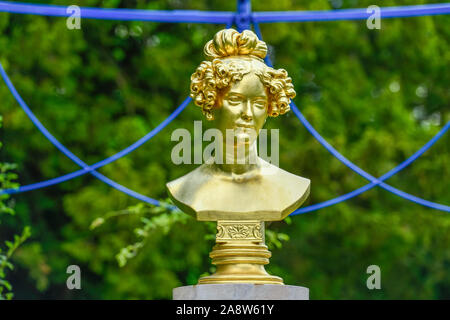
[270,194]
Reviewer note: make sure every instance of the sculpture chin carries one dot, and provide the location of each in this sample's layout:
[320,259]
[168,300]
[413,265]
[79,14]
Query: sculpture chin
[244,136]
[210,195]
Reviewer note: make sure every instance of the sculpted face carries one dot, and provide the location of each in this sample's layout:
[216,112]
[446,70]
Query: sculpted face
[243,109]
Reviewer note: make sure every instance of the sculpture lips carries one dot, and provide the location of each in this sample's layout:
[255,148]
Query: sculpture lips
[245,126]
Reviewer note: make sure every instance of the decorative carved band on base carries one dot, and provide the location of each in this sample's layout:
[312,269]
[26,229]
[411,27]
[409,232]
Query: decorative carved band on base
[251,230]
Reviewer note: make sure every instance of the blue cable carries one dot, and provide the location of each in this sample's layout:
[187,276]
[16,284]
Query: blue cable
[350,14]
[217,17]
[104,162]
[355,168]
[386,176]
[172,16]
[74,158]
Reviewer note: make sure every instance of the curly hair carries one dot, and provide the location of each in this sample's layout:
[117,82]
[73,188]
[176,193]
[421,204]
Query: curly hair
[233,55]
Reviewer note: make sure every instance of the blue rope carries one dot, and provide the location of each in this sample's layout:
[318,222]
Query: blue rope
[350,14]
[243,15]
[74,158]
[384,177]
[172,16]
[218,17]
[355,168]
[361,172]
[104,162]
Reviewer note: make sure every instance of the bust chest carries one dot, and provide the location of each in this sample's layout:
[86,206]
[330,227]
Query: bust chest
[271,195]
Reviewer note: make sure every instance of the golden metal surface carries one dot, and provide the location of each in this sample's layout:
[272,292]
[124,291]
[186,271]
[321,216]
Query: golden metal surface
[238,91]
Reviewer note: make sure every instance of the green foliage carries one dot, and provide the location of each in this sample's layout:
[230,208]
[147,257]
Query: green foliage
[161,219]
[375,95]
[5,286]
[6,182]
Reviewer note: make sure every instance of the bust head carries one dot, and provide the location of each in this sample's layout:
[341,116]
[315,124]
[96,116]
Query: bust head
[235,87]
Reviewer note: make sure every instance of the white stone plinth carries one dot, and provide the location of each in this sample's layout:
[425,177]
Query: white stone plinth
[241,291]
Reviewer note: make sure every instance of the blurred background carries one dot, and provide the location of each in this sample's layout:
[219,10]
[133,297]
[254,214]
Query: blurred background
[376,95]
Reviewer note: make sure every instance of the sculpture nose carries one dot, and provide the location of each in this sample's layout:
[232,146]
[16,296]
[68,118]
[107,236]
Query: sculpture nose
[246,113]
[246,116]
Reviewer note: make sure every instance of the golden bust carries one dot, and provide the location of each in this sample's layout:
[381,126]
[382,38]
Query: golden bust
[237,91]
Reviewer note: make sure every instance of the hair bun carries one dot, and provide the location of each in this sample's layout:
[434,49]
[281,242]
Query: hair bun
[230,42]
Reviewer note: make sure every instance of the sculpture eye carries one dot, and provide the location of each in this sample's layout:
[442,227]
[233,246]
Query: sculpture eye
[234,100]
[260,103]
